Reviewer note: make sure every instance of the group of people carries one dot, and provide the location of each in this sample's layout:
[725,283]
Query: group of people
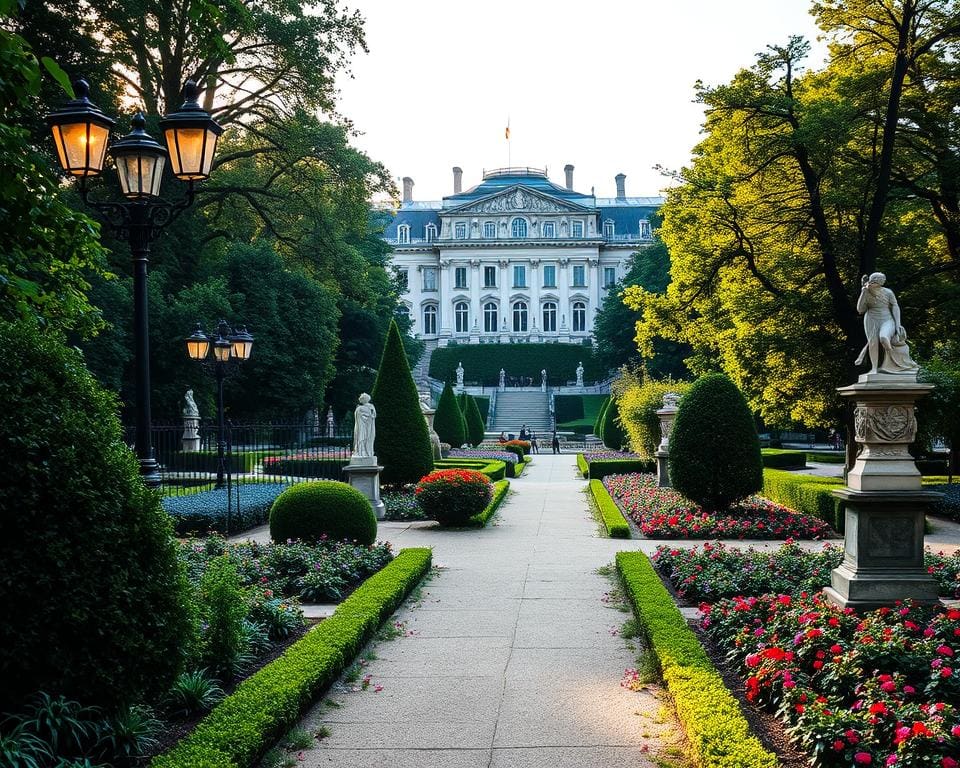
[531,436]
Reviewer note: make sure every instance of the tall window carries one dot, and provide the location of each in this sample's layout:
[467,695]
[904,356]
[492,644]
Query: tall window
[490,317]
[461,316]
[579,316]
[609,277]
[460,230]
[549,229]
[403,233]
[429,278]
[519,316]
[518,227]
[519,276]
[608,229]
[430,319]
[489,277]
[460,277]
[489,230]
[576,229]
[549,276]
[549,317]
[431,232]
[579,276]
[644,228]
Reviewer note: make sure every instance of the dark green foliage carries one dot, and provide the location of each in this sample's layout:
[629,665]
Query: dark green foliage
[95,604]
[475,424]
[271,700]
[193,692]
[808,494]
[578,413]
[611,432]
[598,424]
[613,519]
[448,420]
[776,458]
[495,470]
[483,405]
[600,468]
[403,443]
[462,405]
[714,448]
[482,362]
[222,610]
[310,511]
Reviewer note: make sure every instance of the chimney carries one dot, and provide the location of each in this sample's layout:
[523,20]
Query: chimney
[457,179]
[568,172]
[407,189]
[621,180]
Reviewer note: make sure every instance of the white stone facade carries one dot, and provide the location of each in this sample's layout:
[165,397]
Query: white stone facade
[516,258]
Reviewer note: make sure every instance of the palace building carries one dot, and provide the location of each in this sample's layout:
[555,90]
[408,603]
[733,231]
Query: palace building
[515,258]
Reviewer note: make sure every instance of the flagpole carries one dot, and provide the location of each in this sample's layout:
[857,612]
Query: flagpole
[508,142]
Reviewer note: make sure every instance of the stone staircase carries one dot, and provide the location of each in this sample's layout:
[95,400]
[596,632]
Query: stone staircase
[514,409]
[420,369]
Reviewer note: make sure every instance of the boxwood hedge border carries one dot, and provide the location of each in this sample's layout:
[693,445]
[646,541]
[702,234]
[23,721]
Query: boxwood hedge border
[613,519]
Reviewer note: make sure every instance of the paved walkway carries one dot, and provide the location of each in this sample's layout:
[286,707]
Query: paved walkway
[511,658]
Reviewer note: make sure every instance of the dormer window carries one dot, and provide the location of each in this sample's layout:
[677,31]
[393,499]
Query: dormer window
[460,230]
[489,230]
[403,233]
[431,232]
[644,228]
[549,229]
[518,228]
[608,229]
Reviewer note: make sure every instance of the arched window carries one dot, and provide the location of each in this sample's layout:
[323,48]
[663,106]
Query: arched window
[490,317]
[579,316]
[520,316]
[461,315]
[549,317]
[518,227]
[430,320]
[403,233]
[608,229]
[431,232]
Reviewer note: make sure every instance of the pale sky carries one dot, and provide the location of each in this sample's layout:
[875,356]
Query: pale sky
[606,85]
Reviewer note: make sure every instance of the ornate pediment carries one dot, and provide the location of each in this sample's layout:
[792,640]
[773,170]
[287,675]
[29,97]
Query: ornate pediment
[518,199]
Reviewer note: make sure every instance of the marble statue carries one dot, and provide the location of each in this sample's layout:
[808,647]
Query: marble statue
[543,377]
[364,427]
[580,374]
[883,328]
[190,410]
[460,375]
[503,378]
[330,423]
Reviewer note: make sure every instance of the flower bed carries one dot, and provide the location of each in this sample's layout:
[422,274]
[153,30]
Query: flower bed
[401,504]
[608,455]
[472,453]
[207,510]
[319,463]
[453,496]
[662,513]
[877,689]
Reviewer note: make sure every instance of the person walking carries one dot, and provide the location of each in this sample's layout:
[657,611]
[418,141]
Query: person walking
[556,443]
[523,432]
[533,442]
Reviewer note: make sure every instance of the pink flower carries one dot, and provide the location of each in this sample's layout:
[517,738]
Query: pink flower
[863,758]
[945,650]
[948,762]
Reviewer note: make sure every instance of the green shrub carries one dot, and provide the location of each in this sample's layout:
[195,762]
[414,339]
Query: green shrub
[269,702]
[714,449]
[826,458]
[638,405]
[402,442]
[94,600]
[598,424]
[453,496]
[612,432]
[583,466]
[223,609]
[577,413]
[514,447]
[500,489]
[475,423]
[495,470]
[613,519]
[448,420]
[600,468]
[309,511]
[240,462]
[482,362]
[719,735]
[809,494]
[778,458]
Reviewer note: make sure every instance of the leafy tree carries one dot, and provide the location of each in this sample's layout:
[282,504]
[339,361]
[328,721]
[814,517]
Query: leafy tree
[402,442]
[475,425]
[639,397]
[938,415]
[714,449]
[448,420]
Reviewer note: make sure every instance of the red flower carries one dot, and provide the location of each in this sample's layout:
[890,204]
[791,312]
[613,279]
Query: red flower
[863,758]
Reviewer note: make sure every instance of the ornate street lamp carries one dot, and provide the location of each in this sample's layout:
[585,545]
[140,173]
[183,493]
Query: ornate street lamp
[81,133]
[229,350]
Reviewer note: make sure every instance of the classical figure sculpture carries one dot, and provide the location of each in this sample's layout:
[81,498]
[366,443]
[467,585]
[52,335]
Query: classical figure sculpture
[459,374]
[364,427]
[882,325]
[190,410]
[580,374]
[330,422]
[503,378]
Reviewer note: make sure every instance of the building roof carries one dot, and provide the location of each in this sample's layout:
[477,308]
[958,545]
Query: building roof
[501,179]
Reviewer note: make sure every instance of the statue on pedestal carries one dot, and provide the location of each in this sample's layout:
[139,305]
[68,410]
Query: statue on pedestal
[190,439]
[580,374]
[881,323]
[330,423]
[459,375]
[190,410]
[543,379]
[364,427]
[503,378]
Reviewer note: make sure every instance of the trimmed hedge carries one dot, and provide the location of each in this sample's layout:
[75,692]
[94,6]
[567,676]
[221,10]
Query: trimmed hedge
[519,468]
[328,469]
[807,494]
[495,470]
[310,511]
[719,734]
[597,470]
[482,362]
[500,489]
[613,519]
[612,433]
[206,461]
[777,458]
[578,413]
[826,458]
[598,423]
[476,425]
[272,699]
[582,466]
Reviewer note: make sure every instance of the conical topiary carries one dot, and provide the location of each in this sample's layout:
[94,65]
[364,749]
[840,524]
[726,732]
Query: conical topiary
[475,425]
[598,424]
[613,435]
[714,449]
[448,420]
[462,399]
[402,442]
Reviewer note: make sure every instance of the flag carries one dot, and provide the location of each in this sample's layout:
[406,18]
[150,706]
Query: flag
[506,133]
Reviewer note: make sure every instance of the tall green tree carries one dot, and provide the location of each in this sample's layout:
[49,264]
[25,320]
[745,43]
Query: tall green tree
[448,420]
[475,426]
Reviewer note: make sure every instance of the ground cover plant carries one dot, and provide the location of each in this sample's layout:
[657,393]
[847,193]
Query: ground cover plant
[510,457]
[401,504]
[205,511]
[662,513]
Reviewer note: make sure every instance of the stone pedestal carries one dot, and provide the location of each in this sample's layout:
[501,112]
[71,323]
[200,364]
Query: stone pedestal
[190,439]
[667,414]
[363,473]
[884,499]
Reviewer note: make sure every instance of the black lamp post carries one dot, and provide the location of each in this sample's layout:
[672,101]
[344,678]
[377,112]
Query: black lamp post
[229,349]
[81,133]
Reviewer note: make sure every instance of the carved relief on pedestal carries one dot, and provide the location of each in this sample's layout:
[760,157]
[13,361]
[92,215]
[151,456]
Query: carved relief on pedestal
[885,424]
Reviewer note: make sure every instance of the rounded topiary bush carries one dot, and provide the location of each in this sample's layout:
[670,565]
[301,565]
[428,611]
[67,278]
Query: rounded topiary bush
[598,424]
[714,449]
[310,511]
[94,600]
[453,496]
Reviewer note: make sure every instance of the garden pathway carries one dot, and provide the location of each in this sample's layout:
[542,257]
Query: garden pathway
[511,656]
